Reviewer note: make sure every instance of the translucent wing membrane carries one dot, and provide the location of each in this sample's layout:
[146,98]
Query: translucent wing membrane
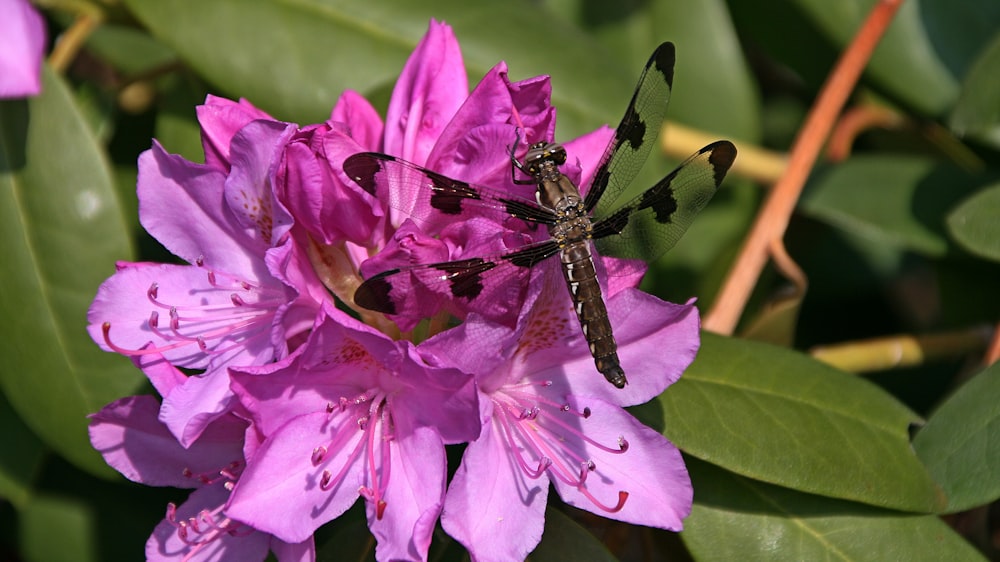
[651,223]
[637,132]
[429,197]
[491,286]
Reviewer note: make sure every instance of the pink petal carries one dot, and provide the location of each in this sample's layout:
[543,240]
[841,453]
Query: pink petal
[280,493]
[23,31]
[430,89]
[220,119]
[413,498]
[363,123]
[651,471]
[492,508]
[165,544]
[657,340]
[181,204]
[133,441]
[248,190]
[122,300]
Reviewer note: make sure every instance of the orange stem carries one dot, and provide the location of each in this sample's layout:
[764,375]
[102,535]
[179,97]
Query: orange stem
[773,218]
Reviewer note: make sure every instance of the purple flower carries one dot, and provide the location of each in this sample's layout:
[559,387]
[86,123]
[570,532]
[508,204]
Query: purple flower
[549,418]
[355,415]
[249,295]
[139,446]
[22,44]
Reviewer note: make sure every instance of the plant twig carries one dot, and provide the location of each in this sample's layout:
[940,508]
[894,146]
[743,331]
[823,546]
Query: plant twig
[893,352]
[773,218]
[754,162]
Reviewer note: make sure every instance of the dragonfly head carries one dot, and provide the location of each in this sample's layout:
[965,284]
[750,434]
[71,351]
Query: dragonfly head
[543,154]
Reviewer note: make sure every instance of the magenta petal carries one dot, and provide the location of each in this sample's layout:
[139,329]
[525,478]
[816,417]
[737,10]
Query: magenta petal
[492,508]
[133,441]
[181,204]
[220,119]
[200,400]
[430,89]
[123,301]
[249,188]
[657,340]
[242,544]
[651,471]
[363,123]
[280,493]
[23,31]
[304,551]
[413,498]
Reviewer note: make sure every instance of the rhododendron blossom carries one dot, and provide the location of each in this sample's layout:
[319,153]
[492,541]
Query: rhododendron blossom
[324,402]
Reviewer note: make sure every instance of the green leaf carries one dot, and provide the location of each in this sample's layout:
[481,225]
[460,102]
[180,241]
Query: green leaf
[129,50]
[977,112]
[59,528]
[905,62]
[890,200]
[781,417]
[20,457]
[60,232]
[565,539]
[961,442]
[316,49]
[973,223]
[736,518]
[709,57]
[960,31]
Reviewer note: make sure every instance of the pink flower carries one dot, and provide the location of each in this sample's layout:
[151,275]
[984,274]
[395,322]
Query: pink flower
[22,44]
[355,415]
[139,446]
[249,295]
[548,418]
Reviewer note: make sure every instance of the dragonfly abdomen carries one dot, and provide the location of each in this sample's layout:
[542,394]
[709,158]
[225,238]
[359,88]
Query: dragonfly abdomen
[581,279]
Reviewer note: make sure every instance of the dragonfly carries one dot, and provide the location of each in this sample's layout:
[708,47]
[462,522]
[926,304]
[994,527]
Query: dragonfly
[642,228]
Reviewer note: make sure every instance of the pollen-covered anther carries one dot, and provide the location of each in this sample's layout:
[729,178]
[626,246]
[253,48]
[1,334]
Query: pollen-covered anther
[622,443]
[324,480]
[237,300]
[530,414]
[318,454]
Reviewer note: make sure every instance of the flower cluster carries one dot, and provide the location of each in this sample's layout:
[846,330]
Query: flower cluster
[283,403]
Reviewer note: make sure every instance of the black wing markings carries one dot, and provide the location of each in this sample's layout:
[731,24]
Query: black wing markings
[646,226]
[637,132]
[441,195]
[651,223]
[464,277]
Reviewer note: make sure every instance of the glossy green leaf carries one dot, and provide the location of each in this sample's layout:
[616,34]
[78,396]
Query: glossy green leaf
[959,31]
[889,200]
[565,539]
[961,442]
[781,417]
[736,518]
[713,86]
[129,50]
[974,224]
[905,62]
[977,112]
[294,59]
[62,231]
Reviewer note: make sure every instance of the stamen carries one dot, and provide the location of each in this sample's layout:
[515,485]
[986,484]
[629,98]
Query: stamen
[247,314]
[534,425]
